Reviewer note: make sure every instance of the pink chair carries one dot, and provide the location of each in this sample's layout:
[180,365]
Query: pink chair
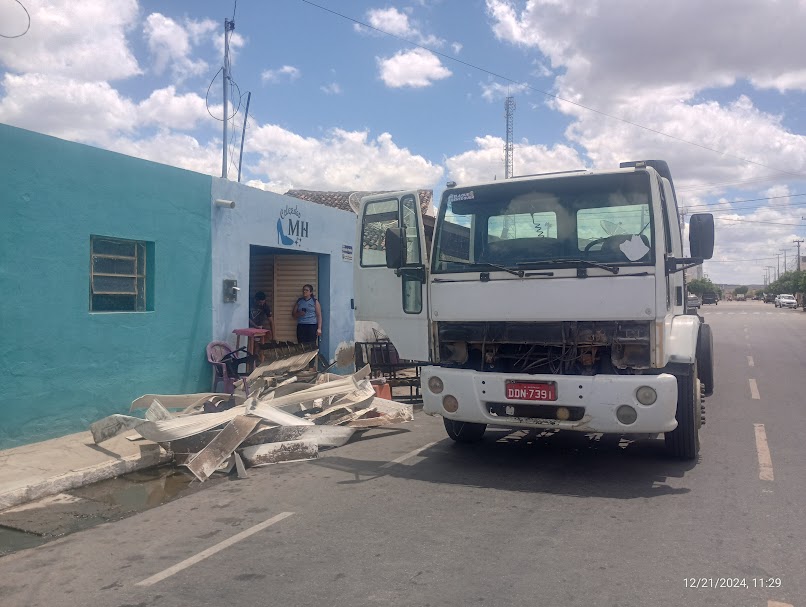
[224,362]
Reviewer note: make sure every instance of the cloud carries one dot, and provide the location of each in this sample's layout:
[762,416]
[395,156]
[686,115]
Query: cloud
[287,72]
[397,23]
[341,160]
[165,108]
[332,89]
[88,112]
[170,45]
[174,149]
[456,47]
[76,40]
[416,68]
[486,162]
[493,91]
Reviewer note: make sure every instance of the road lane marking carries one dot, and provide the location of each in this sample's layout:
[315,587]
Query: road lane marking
[212,550]
[750,362]
[408,455]
[777,604]
[754,390]
[765,472]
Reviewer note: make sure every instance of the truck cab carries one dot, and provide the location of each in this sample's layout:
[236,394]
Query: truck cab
[549,301]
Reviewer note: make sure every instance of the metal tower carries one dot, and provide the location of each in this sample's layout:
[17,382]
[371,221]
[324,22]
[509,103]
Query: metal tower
[509,146]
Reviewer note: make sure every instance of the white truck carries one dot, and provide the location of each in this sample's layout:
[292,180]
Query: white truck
[548,301]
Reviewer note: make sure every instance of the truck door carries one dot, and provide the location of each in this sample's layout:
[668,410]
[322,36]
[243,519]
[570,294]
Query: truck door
[396,299]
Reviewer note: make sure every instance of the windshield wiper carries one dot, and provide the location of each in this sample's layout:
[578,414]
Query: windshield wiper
[518,273]
[577,262]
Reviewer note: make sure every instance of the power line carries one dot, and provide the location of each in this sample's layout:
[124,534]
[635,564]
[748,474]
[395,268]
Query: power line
[732,202]
[545,93]
[773,223]
[27,27]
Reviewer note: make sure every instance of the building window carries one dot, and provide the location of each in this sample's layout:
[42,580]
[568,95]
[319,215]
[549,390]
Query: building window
[118,278]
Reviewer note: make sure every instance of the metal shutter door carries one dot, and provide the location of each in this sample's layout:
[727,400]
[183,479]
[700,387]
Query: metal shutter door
[290,273]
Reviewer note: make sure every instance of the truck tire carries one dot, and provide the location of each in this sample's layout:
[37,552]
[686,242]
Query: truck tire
[464,432]
[684,441]
[705,358]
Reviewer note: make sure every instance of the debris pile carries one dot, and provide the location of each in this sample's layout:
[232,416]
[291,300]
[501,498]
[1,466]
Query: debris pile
[281,412]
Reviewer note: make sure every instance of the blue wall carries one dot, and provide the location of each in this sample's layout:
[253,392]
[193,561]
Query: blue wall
[63,367]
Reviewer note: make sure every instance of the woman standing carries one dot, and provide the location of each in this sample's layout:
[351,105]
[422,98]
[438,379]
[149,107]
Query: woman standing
[309,317]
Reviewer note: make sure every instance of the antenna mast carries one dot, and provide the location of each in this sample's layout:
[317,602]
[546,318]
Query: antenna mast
[509,146]
[229,25]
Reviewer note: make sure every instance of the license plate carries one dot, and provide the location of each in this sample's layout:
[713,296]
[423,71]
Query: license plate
[531,391]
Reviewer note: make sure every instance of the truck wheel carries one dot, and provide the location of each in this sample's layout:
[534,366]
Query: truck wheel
[684,441]
[705,358]
[464,432]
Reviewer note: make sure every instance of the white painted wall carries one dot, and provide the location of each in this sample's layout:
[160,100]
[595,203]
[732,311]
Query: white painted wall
[253,221]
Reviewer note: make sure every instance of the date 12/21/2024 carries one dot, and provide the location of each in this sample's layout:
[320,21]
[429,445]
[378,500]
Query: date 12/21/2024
[732,582]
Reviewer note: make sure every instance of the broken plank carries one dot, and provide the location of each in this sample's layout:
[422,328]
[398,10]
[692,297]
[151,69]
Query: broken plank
[286,451]
[222,446]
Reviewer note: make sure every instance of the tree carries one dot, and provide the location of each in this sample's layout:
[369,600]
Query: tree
[741,290]
[702,285]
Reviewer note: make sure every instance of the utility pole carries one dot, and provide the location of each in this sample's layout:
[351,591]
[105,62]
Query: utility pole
[784,252]
[229,25]
[778,272]
[797,242]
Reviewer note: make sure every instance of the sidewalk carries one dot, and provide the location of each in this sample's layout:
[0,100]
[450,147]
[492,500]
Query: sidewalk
[38,470]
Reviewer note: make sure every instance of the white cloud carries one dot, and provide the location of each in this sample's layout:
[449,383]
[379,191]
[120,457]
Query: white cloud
[416,68]
[167,109]
[88,112]
[397,23]
[493,91]
[287,72]
[79,40]
[332,89]
[456,47]
[170,44]
[174,149]
[342,160]
[486,162]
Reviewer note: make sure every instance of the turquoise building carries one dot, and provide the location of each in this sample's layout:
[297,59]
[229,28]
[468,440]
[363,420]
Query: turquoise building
[109,284]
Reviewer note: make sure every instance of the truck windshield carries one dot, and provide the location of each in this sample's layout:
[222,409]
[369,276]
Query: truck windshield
[605,219]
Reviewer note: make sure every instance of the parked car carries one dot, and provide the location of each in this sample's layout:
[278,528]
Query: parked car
[710,298]
[692,301]
[786,301]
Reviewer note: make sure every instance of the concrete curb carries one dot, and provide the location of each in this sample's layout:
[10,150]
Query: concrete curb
[149,456]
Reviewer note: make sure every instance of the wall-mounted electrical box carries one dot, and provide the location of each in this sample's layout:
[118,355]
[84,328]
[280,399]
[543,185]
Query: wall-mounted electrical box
[230,290]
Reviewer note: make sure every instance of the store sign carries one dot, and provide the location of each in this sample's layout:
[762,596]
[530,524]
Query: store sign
[346,252]
[291,228]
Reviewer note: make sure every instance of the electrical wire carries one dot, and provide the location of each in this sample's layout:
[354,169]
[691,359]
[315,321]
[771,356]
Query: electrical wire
[27,14]
[546,93]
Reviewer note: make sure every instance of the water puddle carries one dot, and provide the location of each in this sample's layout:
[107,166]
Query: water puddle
[36,523]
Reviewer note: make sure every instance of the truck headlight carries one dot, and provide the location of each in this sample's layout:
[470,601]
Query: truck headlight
[646,395]
[435,385]
[626,415]
[450,403]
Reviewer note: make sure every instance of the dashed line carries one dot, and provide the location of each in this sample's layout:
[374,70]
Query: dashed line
[212,550]
[754,390]
[765,472]
[408,455]
[777,604]
[750,362]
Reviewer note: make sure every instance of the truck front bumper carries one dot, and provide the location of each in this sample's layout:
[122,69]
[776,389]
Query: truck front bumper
[592,401]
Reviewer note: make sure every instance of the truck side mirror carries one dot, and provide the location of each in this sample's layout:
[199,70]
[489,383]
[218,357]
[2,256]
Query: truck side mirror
[701,235]
[395,247]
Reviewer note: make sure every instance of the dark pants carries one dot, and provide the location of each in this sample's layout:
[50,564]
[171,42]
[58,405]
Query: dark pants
[306,334]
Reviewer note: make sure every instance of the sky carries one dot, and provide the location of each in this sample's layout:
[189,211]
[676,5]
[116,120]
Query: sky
[362,95]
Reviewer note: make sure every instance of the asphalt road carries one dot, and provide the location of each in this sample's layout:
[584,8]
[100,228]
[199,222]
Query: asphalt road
[405,517]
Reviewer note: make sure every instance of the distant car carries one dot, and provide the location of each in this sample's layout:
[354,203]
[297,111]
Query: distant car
[710,298]
[769,297]
[692,301]
[786,301]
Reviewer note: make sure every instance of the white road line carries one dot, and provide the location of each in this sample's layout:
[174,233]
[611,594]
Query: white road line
[212,550]
[403,458]
[765,472]
[750,362]
[754,390]
[777,604]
